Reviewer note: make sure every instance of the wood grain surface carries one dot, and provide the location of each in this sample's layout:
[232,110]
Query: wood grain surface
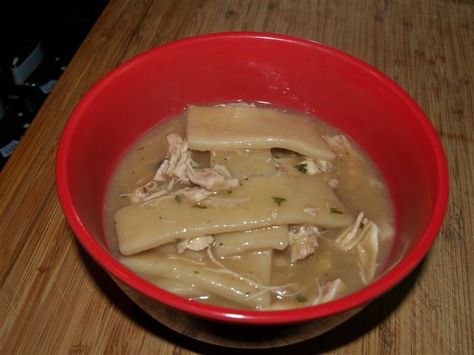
[54,299]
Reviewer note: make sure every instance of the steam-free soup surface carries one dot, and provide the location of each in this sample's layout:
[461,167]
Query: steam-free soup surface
[252,218]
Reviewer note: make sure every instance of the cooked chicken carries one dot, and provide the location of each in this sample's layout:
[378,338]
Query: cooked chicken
[196,244]
[292,164]
[180,165]
[333,183]
[194,194]
[177,161]
[312,167]
[340,144]
[354,233]
[303,241]
[364,236]
[367,250]
[216,179]
[147,192]
[329,291]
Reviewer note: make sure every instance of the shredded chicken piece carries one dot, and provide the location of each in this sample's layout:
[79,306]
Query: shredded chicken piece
[216,179]
[353,234]
[303,241]
[333,183]
[367,250]
[310,210]
[313,167]
[147,192]
[196,244]
[274,213]
[194,194]
[180,165]
[329,291]
[177,161]
[363,235]
[341,145]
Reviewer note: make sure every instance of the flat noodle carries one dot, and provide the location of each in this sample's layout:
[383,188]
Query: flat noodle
[275,237]
[266,201]
[177,287]
[245,163]
[233,127]
[255,265]
[212,280]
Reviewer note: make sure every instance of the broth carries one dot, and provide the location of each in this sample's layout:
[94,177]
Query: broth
[309,263]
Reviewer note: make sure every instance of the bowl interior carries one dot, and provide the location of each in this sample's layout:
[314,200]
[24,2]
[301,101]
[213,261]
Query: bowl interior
[284,71]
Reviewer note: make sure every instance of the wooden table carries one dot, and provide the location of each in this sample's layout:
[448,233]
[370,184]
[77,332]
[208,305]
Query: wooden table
[54,299]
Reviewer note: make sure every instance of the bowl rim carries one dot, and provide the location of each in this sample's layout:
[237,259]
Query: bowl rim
[357,299]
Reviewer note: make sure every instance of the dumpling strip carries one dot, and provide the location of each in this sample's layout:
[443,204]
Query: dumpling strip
[220,281]
[243,127]
[275,237]
[245,162]
[180,288]
[208,279]
[254,264]
[266,201]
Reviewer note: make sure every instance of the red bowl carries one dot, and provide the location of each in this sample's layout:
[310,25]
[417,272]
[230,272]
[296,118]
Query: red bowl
[285,71]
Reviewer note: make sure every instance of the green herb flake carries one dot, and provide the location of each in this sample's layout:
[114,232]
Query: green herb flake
[178,240]
[361,225]
[221,244]
[279,200]
[302,168]
[198,205]
[195,272]
[301,298]
[335,210]
[178,198]
[247,293]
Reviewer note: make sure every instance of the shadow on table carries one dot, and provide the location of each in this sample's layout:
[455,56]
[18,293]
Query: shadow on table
[371,316]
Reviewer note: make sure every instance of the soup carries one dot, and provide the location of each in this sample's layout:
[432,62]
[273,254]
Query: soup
[249,207]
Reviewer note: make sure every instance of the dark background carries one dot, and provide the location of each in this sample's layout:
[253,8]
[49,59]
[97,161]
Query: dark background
[59,27]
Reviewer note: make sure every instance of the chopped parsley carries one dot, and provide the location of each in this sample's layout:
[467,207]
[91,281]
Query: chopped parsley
[178,198]
[361,225]
[335,210]
[302,168]
[198,205]
[195,272]
[279,200]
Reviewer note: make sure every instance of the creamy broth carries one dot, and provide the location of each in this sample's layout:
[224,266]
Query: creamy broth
[275,280]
